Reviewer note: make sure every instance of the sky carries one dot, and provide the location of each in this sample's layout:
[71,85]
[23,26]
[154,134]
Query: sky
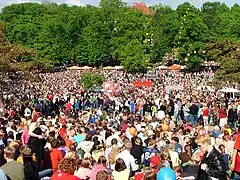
[172,3]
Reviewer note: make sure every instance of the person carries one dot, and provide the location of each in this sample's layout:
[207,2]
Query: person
[235,165]
[121,172]
[14,170]
[149,174]
[55,154]
[212,165]
[226,156]
[102,175]
[3,175]
[66,169]
[127,157]
[100,166]
[193,114]
[149,152]
[137,150]
[178,148]
[30,167]
[84,171]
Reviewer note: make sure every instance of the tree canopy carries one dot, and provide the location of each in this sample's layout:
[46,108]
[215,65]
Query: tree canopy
[114,33]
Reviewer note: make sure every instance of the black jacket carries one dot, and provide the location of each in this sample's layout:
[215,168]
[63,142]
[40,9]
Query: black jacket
[215,167]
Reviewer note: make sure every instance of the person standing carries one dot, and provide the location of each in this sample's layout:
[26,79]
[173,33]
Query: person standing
[235,165]
[212,165]
[193,114]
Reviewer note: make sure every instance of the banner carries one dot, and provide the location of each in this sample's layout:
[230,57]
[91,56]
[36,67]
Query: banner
[142,84]
[112,88]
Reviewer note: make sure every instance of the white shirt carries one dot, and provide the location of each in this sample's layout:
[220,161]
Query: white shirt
[128,159]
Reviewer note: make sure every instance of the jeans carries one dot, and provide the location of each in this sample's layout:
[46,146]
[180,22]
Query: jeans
[45,173]
[235,176]
[194,119]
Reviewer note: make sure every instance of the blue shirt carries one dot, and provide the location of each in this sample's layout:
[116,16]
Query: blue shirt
[2,175]
[178,148]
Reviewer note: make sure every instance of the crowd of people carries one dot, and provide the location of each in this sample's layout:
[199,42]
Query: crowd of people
[179,127]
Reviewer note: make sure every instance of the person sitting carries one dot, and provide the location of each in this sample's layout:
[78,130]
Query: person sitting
[66,169]
[13,169]
[23,148]
[56,155]
[121,172]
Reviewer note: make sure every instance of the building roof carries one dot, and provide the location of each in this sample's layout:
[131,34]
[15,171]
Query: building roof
[143,7]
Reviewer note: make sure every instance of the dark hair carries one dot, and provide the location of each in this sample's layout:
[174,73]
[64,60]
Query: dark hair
[55,143]
[175,139]
[120,165]
[114,141]
[52,134]
[149,174]
[102,160]
[30,168]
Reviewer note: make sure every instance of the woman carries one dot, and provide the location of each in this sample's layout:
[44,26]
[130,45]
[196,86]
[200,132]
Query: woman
[121,172]
[84,171]
[149,174]
[3,143]
[36,140]
[100,166]
[222,114]
[30,167]
[66,169]
[112,156]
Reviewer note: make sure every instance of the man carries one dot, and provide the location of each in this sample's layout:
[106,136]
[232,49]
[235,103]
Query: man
[193,114]
[13,169]
[127,157]
[212,165]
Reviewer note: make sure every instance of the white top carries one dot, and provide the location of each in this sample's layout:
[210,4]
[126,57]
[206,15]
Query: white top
[128,159]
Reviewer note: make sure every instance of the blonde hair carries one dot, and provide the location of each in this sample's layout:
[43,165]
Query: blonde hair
[113,154]
[9,152]
[204,139]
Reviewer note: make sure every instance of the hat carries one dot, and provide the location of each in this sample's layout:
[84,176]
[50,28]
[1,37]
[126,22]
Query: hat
[154,161]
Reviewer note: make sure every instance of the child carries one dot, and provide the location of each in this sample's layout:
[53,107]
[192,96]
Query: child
[226,157]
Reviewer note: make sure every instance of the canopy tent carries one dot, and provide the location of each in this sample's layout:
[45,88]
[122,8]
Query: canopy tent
[175,67]
[108,68]
[161,67]
[85,68]
[118,67]
[79,68]
[74,68]
[229,90]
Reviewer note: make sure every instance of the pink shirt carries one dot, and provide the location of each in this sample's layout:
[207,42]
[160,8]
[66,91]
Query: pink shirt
[25,135]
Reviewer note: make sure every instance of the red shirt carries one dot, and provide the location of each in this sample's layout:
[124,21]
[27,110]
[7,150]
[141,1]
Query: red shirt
[222,113]
[63,176]
[56,157]
[237,163]
[206,112]
[237,143]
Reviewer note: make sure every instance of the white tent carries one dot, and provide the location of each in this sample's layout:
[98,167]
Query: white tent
[229,90]
[119,67]
[74,68]
[108,68]
[161,67]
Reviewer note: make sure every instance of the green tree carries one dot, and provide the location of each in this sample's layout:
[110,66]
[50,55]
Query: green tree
[133,56]
[228,54]
[191,37]
[89,80]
